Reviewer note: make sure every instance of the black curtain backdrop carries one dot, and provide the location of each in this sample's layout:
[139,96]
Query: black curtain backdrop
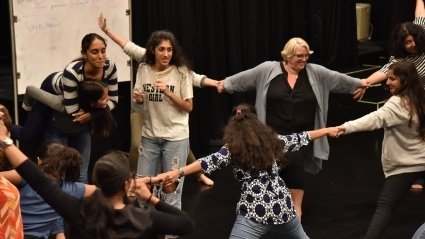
[386,14]
[223,37]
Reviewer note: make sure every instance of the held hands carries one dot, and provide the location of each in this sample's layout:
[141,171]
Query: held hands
[341,130]
[170,177]
[332,132]
[220,86]
[359,93]
[140,187]
[335,132]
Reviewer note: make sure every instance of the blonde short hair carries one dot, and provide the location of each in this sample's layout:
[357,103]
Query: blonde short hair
[289,48]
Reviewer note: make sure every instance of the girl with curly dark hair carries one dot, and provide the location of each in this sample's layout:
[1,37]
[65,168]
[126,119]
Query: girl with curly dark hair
[256,154]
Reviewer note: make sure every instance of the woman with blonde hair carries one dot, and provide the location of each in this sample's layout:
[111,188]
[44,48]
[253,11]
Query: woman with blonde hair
[292,96]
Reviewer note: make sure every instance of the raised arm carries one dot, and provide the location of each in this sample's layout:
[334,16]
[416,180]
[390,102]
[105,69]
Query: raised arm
[420,8]
[108,31]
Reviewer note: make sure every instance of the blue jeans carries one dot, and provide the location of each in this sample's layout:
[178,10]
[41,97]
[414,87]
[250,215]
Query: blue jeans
[159,155]
[420,233]
[248,229]
[81,141]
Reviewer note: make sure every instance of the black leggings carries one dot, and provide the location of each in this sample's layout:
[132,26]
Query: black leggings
[394,189]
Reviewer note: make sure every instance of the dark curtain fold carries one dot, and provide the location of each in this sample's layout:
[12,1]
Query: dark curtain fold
[223,37]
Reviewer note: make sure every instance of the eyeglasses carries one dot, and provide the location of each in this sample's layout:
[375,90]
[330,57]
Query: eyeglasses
[301,56]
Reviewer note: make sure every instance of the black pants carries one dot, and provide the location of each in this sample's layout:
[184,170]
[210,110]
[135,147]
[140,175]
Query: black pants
[395,188]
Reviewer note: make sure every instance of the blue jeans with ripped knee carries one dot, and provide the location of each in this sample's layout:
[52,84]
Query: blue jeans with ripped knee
[160,155]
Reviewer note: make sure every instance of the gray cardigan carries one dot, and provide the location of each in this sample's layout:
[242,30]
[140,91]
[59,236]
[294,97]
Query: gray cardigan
[323,81]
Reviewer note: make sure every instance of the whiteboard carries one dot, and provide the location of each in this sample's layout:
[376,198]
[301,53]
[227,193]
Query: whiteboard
[48,34]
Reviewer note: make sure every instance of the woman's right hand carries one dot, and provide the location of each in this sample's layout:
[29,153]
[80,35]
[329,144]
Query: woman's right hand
[138,95]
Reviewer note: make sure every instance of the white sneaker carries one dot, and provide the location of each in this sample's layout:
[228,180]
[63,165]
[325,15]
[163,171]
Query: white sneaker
[26,107]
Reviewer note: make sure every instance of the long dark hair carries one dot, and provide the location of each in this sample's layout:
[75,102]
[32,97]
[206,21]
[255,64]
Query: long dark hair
[109,174]
[398,36]
[86,43]
[7,119]
[88,40]
[90,92]
[253,145]
[178,59]
[411,92]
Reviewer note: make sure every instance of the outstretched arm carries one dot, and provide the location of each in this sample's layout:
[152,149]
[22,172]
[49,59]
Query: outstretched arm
[111,34]
[318,133]
[375,78]
[172,176]
[420,8]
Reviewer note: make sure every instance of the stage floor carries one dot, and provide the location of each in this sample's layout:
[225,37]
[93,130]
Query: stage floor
[339,201]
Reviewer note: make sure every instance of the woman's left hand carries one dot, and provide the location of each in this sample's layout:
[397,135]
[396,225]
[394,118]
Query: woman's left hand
[359,93]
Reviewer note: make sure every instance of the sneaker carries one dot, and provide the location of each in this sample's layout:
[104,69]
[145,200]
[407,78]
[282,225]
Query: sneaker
[26,107]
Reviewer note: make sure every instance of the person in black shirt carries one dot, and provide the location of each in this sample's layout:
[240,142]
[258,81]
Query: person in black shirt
[104,214]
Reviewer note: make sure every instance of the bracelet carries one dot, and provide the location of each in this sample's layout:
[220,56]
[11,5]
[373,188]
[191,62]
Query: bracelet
[181,173]
[149,199]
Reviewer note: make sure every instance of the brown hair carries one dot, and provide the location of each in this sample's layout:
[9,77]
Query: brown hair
[7,119]
[411,92]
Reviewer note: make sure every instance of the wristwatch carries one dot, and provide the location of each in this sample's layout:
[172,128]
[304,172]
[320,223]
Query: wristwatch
[181,173]
[6,143]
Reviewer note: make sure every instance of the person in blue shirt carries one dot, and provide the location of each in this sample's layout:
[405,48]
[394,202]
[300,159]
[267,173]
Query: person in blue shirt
[62,165]
[256,154]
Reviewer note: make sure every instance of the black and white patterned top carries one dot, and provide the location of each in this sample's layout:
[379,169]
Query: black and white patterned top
[264,197]
[418,60]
